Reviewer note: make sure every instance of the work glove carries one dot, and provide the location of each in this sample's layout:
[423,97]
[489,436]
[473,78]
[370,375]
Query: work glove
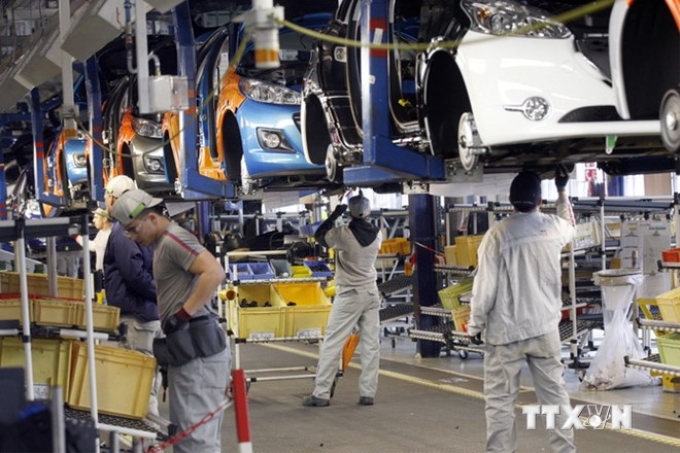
[339,210]
[476,339]
[176,322]
[561,177]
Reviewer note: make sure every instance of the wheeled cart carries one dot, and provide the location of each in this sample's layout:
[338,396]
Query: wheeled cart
[274,310]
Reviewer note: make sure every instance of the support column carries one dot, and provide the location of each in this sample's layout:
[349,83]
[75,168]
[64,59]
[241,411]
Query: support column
[421,212]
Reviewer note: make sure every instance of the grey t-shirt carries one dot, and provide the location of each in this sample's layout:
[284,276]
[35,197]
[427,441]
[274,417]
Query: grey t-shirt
[175,252]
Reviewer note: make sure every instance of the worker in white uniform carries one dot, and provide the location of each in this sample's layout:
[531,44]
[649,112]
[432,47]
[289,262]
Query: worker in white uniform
[356,302]
[516,307]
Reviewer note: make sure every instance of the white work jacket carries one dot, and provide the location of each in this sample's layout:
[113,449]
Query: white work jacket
[516,293]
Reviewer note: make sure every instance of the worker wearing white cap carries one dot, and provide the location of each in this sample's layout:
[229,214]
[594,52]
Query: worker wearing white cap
[129,283]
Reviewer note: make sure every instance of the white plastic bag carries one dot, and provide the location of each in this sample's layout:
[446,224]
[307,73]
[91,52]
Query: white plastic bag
[608,370]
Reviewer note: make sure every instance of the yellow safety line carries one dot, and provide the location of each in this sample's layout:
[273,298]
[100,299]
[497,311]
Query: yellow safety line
[646,435]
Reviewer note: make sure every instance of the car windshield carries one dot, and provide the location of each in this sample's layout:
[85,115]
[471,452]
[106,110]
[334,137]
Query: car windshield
[294,54]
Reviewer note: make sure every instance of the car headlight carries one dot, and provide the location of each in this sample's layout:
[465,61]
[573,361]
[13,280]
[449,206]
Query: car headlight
[505,17]
[80,160]
[147,128]
[270,93]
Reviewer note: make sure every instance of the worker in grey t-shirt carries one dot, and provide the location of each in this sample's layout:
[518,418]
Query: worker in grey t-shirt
[187,277]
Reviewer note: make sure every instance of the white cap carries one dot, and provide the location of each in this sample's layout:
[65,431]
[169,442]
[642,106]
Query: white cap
[101,212]
[119,185]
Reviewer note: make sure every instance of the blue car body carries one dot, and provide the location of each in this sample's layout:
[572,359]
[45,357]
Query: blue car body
[76,165]
[259,118]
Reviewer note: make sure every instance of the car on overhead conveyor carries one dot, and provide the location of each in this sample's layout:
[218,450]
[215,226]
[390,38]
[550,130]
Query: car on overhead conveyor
[644,48]
[133,142]
[249,118]
[503,85]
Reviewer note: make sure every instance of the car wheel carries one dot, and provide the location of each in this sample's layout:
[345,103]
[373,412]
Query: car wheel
[670,119]
[470,146]
[333,169]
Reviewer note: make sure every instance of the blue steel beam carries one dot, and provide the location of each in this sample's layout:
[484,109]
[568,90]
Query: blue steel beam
[3,188]
[94,108]
[379,151]
[421,215]
[39,154]
[194,185]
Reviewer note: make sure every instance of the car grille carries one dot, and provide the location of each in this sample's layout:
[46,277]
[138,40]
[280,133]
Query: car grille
[296,120]
[594,113]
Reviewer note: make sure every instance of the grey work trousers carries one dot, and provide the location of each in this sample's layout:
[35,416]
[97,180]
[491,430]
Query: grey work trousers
[196,389]
[140,336]
[351,308]
[502,368]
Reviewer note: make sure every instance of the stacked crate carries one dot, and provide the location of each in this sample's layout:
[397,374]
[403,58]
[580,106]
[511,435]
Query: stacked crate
[306,309]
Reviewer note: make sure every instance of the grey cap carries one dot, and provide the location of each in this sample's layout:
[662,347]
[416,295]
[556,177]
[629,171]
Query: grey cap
[359,207]
[131,204]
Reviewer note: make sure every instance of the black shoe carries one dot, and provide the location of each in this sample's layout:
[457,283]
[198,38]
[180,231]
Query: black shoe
[366,401]
[313,401]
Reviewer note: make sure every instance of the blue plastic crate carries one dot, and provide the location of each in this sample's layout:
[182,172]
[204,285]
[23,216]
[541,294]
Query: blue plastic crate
[261,271]
[243,271]
[319,268]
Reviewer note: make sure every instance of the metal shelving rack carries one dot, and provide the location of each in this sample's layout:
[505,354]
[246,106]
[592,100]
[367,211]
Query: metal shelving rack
[18,231]
[652,362]
[570,330]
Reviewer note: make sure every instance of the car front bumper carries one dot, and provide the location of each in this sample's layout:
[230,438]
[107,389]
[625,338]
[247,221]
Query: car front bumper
[501,73]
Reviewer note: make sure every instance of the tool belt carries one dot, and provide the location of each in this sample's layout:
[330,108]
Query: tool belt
[200,337]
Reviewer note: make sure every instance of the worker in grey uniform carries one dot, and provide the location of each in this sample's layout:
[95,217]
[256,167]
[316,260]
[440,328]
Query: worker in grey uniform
[356,301]
[195,349]
[516,306]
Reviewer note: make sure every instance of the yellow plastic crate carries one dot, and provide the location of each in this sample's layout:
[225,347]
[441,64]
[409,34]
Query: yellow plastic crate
[309,316]
[669,349]
[10,308]
[53,312]
[51,360]
[669,305]
[449,296]
[105,318]
[670,383]
[301,271]
[466,249]
[38,285]
[261,322]
[450,255]
[124,379]
[647,307]
[400,246]
[461,317]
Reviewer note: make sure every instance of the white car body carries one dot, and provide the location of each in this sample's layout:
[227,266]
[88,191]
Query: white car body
[616,19]
[500,73]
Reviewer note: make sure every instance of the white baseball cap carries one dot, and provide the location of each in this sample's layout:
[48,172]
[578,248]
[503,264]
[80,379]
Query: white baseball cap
[101,212]
[131,204]
[119,185]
